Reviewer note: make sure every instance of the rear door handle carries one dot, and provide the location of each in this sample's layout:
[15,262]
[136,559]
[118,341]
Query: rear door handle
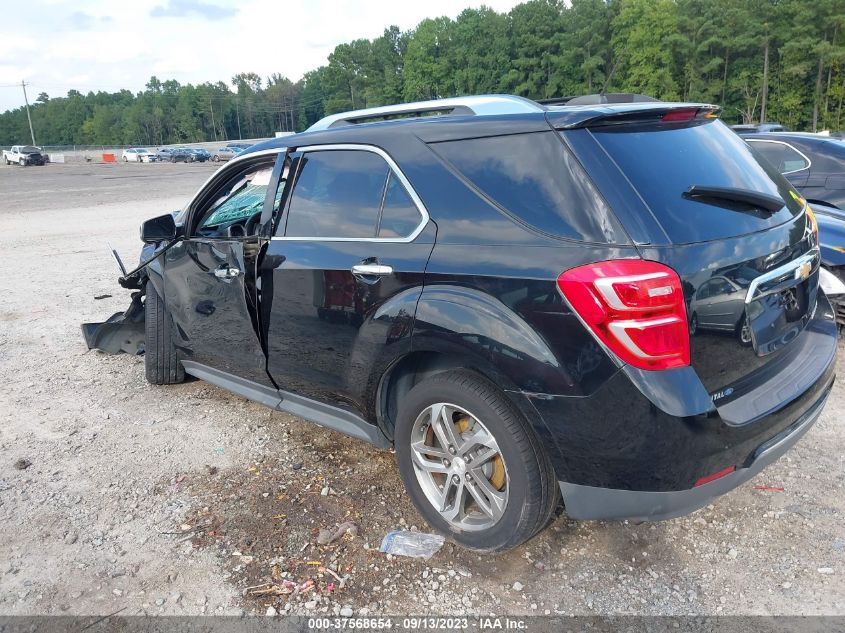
[372,270]
[226,273]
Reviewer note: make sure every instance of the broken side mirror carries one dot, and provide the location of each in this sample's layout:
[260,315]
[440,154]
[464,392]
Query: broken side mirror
[160,229]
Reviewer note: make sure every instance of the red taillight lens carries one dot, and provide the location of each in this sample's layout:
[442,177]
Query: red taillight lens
[677,116]
[635,307]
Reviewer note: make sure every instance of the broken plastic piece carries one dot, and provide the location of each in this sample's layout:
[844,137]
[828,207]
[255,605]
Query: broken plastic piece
[413,544]
[123,332]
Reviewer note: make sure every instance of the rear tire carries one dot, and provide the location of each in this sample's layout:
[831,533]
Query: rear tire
[519,479]
[161,358]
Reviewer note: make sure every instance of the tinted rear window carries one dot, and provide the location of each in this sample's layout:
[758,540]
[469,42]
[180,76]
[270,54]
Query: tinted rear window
[534,178]
[663,163]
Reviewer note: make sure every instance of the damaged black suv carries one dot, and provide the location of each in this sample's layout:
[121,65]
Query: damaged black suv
[613,303]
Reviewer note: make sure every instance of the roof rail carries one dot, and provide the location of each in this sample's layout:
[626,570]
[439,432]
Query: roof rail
[610,97]
[480,105]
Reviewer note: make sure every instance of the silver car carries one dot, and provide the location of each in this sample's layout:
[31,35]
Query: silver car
[224,153]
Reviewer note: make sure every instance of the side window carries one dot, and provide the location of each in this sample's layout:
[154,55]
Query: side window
[337,193]
[238,199]
[399,216]
[784,158]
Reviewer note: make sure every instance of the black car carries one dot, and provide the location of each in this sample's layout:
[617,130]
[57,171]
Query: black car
[504,294]
[814,164]
[200,155]
[175,155]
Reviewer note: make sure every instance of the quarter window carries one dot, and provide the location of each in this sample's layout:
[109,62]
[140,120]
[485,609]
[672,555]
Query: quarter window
[399,216]
[785,158]
[535,178]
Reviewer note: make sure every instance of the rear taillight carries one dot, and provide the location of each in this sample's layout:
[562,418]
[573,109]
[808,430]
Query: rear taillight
[635,307]
[680,115]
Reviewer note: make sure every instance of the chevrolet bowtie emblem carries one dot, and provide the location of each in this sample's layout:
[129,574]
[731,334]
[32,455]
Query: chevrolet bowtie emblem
[803,271]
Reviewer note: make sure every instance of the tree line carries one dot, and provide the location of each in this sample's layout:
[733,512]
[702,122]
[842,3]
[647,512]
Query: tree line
[761,60]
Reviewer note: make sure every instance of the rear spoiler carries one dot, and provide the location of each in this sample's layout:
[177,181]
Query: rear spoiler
[643,113]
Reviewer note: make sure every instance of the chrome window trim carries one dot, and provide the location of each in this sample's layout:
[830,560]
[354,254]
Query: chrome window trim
[418,203]
[792,147]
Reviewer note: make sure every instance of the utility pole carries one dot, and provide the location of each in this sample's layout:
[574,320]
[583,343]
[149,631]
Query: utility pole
[238,117]
[213,126]
[28,117]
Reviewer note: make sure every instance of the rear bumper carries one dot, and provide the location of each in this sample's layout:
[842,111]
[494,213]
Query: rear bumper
[590,502]
[636,447]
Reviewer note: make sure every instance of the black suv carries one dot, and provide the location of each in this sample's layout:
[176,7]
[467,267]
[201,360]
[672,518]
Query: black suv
[614,303]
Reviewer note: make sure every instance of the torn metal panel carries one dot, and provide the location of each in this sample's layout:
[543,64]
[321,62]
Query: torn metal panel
[122,332]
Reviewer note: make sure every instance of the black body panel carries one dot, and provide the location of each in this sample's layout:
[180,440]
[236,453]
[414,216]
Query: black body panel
[331,334]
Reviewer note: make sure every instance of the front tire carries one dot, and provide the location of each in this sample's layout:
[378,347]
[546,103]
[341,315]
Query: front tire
[472,465]
[743,332]
[161,358]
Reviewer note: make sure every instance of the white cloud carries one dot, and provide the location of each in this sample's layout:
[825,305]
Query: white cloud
[106,45]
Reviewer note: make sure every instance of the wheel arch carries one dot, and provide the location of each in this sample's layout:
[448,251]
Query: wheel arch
[416,366]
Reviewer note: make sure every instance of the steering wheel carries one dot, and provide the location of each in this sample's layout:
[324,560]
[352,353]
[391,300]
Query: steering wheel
[252,224]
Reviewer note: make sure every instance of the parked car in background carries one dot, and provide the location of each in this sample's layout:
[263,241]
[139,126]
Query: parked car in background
[752,128]
[177,155]
[200,155]
[23,155]
[832,241]
[240,146]
[502,295]
[225,153]
[138,155]
[813,163]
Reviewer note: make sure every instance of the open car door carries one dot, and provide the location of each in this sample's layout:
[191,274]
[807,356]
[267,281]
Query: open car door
[209,279]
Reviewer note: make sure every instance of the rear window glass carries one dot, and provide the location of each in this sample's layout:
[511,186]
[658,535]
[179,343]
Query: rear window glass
[663,163]
[536,179]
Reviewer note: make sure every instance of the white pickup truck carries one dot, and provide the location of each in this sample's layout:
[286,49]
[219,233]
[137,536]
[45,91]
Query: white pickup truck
[24,155]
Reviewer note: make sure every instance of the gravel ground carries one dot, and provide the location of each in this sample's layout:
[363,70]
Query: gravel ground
[115,494]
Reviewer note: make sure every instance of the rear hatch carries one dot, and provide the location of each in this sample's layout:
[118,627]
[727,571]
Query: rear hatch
[696,198]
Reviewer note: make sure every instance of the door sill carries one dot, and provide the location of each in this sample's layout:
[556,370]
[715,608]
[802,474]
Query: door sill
[326,415]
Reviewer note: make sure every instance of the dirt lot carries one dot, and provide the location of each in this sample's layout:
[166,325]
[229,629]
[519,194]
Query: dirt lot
[176,500]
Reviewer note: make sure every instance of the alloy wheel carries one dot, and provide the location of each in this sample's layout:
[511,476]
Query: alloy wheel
[459,467]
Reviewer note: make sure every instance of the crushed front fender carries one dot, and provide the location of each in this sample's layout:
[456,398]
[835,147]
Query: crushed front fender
[123,332]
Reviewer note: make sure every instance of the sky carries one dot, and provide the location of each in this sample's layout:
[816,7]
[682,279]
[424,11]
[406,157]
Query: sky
[105,45]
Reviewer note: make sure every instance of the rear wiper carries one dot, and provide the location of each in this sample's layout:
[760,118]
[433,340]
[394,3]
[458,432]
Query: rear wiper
[735,198]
